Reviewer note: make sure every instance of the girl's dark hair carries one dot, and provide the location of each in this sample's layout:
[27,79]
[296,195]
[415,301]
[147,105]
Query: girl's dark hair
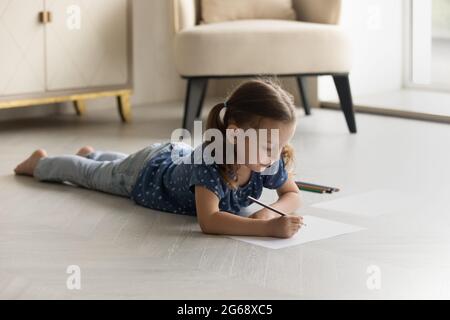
[250,103]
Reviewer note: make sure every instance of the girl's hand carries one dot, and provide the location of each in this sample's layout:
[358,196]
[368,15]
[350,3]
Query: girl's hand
[285,227]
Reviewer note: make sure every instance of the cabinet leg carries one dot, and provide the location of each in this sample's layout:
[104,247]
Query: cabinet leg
[123,101]
[80,107]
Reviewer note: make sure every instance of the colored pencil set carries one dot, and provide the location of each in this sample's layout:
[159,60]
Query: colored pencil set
[309,187]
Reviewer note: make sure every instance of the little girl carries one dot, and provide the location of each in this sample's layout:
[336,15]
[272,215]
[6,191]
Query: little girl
[214,191]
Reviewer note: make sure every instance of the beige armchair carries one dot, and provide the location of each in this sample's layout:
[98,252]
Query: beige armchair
[312,46]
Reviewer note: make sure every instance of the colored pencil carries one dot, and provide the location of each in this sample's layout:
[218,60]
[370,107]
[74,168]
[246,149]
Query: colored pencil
[316,187]
[319,186]
[270,208]
[311,190]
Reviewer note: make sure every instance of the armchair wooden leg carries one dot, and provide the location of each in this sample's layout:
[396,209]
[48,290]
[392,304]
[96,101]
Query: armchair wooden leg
[342,83]
[124,105]
[303,88]
[80,107]
[195,96]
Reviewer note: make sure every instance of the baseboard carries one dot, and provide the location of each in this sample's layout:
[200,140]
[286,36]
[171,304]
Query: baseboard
[391,112]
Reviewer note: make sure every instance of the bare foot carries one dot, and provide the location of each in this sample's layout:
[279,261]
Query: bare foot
[85,151]
[27,167]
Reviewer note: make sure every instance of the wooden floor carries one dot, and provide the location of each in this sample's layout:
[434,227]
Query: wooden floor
[125,251]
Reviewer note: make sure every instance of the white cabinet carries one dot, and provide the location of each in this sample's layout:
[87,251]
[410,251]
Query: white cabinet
[93,53]
[65,50]
[22,60]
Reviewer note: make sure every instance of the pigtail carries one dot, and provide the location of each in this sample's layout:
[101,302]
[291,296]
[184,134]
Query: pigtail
[215,121]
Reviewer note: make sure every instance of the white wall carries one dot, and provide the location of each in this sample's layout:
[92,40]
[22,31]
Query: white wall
[155,77]
[376,30]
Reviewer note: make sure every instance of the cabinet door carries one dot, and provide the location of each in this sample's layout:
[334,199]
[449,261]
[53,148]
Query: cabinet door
[86,43]
[22,59]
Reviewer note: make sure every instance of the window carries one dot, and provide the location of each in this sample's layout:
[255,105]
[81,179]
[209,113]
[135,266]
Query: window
[429,49]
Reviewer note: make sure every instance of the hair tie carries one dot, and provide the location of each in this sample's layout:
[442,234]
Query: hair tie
[223,112]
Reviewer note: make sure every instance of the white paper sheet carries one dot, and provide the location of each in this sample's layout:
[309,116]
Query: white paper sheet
[317,229]
[373,203]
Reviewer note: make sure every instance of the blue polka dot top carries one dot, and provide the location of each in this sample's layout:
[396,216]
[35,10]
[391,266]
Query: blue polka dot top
[167,183]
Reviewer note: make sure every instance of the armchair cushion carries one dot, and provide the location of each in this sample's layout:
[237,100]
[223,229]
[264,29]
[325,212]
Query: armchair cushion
[214,11]
[249,47]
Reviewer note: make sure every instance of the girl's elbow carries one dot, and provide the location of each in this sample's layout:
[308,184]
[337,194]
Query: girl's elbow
[206,225]
[203,226]
[205,229]
[209,230]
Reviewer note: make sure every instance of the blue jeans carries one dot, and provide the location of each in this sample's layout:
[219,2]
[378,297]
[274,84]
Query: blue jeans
[109,172]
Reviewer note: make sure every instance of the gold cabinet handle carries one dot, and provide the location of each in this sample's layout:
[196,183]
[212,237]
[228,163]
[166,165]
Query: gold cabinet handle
[45,17]
[42,17]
